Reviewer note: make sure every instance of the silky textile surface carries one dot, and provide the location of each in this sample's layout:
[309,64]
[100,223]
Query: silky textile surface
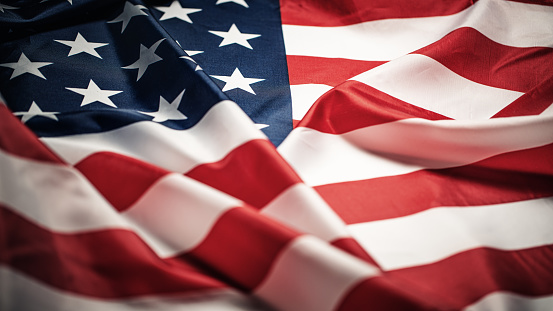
[265,155]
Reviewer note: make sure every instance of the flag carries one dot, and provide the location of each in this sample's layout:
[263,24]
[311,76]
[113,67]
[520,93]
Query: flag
[266,155]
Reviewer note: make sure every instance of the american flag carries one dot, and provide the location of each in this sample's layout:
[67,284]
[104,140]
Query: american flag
[264,155]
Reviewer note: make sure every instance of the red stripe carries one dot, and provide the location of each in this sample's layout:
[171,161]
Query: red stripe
[532,103]
[120,179]
[539,2]
[105,264]
[467,277]
[515,176]
[241,247]
[20,141]
[268,175]
[472,55]
[352,247]
[384,293]
[354,105]
[321,70]
[108,171]
[340,13]
[253,172]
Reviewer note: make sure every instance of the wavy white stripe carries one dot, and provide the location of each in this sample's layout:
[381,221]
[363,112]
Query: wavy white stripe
[176,213]
[303,209]
[320,159]
[505,22]
[304,96]
[548,111]
[172,216]
[408,145]
[224,127]
[21,293]
[512,302]
[305,278]
[424,82]
[437,233]
[54,196]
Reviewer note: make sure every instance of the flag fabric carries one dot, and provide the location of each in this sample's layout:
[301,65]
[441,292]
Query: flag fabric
[276,155]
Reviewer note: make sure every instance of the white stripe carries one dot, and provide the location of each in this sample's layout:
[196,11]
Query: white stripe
[408,145]
[176,213]
[381,40]
[312,276]
[172,216]
[54,196]
[511,302]
[21,293]
[435,234]
[320,158]
[304,96]
[223,128]
[548,111]
[303,209]
[426,83]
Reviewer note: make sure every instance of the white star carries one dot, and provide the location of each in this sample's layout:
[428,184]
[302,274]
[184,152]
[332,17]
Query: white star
[192,53]
[261,126]
[7,7]
[190,59]
[80,45]
[93,93]
[235,36]
[146,58]
[175,10]
[237,81]
[24,65]
[241,2]
[34,111]
[167,111]
[129,11]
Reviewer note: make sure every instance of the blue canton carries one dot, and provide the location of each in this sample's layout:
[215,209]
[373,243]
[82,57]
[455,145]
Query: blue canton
[87,66]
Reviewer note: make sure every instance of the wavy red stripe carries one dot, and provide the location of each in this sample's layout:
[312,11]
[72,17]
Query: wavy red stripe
[253,172]
[341,13]
[456,282]
[120,179]
[239,250]
[352,247]
[354,105]
[532,103]
[466,277]
[241,247]
[474,56]
[321,70]
[514,176]
[384,293]
[105,264]
[108,171]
